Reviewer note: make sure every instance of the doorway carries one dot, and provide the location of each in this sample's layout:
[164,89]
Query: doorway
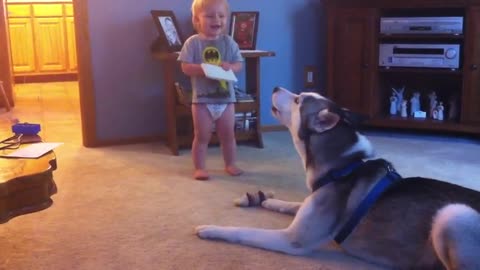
[43,55]
[85,83]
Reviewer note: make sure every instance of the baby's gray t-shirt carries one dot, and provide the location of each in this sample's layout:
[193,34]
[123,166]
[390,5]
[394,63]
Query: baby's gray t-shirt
[197,50]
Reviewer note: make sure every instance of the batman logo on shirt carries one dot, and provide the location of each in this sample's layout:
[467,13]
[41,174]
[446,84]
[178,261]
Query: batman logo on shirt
[211,55]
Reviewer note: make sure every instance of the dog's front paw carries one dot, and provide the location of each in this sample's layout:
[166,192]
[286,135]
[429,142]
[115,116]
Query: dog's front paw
[205,231]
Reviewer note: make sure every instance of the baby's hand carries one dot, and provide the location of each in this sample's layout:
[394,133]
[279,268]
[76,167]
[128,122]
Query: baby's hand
[226,65]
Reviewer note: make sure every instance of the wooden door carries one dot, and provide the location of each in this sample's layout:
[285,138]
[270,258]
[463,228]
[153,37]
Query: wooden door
[21,44]
[351,57]
[50,44]
[471,90]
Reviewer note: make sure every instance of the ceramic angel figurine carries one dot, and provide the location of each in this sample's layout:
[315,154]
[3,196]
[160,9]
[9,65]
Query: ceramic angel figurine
[393,104]
[403,112]
[440,109]
[399,94]
[433,103]
[415,103]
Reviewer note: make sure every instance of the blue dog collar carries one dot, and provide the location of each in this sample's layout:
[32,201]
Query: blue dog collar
[335,175]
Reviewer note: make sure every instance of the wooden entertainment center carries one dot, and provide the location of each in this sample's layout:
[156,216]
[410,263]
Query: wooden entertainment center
[357,81]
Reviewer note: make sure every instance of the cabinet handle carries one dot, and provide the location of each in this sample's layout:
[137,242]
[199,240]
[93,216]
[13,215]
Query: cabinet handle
[473,67]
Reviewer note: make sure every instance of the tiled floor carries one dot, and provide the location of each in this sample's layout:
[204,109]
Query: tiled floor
[55,106]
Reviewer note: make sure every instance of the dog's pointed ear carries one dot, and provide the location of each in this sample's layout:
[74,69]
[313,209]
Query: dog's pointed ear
[323,121]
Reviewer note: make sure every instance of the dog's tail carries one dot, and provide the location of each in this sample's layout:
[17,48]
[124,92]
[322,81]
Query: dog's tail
[456,237]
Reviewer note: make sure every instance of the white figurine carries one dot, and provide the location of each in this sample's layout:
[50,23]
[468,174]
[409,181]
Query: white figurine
[399,94]
[393,104]
[433,103]
[434,112]
[415,103]
[440,109]
[404,109]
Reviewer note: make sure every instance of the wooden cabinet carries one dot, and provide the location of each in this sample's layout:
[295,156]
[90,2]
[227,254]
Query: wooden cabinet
[50,44]
[352,67]
[471,97]
[23,57]
[71,44]
[179,120]
[356,81]
[42,39]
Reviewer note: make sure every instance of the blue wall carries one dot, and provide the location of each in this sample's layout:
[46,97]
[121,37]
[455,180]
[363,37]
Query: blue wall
[128,82]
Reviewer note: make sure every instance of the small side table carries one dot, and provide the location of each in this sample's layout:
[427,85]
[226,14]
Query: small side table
[26,185]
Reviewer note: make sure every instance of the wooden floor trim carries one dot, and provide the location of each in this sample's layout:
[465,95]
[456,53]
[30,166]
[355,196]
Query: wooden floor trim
[163,137]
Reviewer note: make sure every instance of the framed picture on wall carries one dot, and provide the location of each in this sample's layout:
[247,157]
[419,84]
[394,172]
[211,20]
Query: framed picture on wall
[170,36]
[243,28]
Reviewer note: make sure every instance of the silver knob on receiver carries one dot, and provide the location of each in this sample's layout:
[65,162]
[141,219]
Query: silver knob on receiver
[450,53]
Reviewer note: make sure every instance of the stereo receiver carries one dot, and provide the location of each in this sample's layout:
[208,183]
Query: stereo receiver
[421,25]
[419,55]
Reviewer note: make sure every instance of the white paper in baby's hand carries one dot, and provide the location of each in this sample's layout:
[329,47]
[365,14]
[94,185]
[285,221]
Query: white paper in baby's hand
[218,73]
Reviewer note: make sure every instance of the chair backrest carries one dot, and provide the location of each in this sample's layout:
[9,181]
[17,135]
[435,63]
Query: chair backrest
[183,96]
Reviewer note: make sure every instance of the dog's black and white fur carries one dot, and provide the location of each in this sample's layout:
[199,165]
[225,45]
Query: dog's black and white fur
[417,223]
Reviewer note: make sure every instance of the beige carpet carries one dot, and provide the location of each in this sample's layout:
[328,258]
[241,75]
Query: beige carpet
[135,207]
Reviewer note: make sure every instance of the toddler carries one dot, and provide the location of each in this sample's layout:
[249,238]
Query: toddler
[212,100]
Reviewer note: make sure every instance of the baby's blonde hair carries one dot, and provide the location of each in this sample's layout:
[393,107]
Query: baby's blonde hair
[198,5]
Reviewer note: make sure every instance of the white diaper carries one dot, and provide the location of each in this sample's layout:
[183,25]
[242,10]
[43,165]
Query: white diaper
[216,110]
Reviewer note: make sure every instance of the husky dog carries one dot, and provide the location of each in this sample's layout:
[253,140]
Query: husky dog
[365,206]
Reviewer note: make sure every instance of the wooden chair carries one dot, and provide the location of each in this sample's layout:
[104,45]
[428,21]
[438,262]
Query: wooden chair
[4,98]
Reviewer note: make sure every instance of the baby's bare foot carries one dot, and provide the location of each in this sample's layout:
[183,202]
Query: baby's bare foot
[201,175]
[233,170]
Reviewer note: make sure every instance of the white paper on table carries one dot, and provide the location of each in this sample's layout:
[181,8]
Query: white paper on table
[34,150]
[218,73]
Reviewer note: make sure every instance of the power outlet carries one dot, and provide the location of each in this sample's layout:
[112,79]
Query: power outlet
[309,77]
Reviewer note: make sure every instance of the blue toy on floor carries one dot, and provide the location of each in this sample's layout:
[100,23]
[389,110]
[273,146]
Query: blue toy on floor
[26,128]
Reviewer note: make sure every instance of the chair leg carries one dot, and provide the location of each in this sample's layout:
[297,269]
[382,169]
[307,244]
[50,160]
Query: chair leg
[4,98]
